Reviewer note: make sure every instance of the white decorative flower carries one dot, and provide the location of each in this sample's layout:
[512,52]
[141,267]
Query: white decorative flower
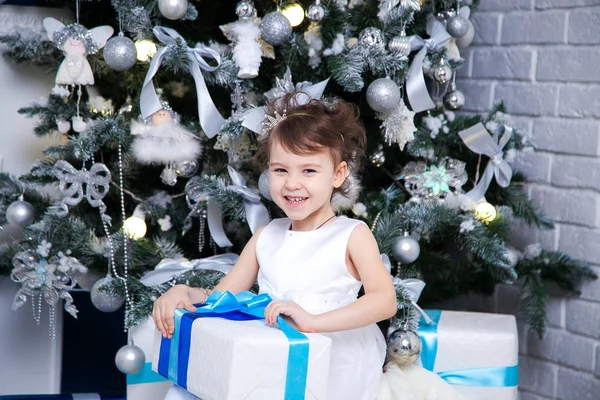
[510,155]
[467,225]
[360,210]
[532,251]
[165,223]
[60,91]
[433,124]
[44,248]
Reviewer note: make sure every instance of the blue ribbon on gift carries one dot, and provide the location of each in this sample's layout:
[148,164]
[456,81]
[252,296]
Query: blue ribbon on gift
[491,376]
[174,353]
[146,375]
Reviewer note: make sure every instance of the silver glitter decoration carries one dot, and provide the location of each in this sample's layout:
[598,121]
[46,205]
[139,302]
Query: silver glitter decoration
[442,72]
[315,12]
[77,31]
[130,359]
[457,26]
[105,301]
[383,95]
[20,214]
[444,16]
[429,183]
[454,99]
[378,158]
[173,9]
[275,28]
[196,200]
[467,39]
[263,185]
[96,181]
[372,38]
[186,169]
[244,9]
[168,176]
[404,347]
[120,53]
[406,249]
[400,44]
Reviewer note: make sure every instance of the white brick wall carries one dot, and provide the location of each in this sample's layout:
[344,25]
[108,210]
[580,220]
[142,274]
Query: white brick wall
[541,57]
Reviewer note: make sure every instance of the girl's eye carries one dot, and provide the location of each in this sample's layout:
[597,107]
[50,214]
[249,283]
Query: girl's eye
[309,171]
[279,170]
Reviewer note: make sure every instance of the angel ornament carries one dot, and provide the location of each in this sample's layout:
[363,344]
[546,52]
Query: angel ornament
[76,41]
[161,139]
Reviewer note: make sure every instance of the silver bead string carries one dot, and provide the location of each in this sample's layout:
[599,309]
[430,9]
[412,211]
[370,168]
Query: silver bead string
[201,236]
[129,302]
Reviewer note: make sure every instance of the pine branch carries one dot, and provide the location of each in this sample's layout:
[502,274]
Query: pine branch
[24,45]
[231,203]
[533,304]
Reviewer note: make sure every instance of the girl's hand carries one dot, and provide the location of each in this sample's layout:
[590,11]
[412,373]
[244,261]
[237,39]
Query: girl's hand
[164,308]
[295,315]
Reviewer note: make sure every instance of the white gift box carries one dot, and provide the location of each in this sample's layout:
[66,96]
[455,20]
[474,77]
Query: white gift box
[477,342]
[247,360]
[147,384]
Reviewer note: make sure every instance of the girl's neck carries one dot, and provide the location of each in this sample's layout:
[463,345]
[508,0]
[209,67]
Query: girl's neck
[314,221]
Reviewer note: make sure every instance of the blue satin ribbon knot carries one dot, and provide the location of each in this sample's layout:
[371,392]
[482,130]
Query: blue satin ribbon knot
[174,353]
[489,376]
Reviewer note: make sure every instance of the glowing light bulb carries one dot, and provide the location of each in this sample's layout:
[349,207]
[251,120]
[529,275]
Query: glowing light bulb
[294,13]
[145,49]
[485,212]
[134,227]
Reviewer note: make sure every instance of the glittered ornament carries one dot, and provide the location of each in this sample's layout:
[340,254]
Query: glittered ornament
[400,44]
[186,168]
[173,9]
[130,359]
[454,99]
[79,125]
[263,185]
[20,214]
[120,53]
[378,158]
[372,38]
[275,28]
[466,40]
[404,347]
[442,72]
[244,9]
[383,95]
[406,249]
[457,26]
[315,12]
[103,300]
[63,126]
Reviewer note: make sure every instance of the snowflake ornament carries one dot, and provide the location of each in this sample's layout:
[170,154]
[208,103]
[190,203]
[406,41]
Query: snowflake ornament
[435,182]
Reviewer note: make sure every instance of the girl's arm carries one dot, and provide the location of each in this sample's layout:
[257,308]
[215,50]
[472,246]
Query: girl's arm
[241,277]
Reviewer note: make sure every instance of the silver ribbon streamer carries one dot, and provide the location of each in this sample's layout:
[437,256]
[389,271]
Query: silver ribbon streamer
[194,195]
[414,287]
[479,140]
[254,118]
[256,212]
[52,279]
[170,268]
[208,115]
[96,180]
[416,89]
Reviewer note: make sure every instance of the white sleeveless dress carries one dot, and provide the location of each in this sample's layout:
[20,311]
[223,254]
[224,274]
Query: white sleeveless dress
[309,268]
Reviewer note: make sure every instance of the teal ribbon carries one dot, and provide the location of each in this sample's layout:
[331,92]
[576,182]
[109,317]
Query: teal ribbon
[174,353]
[146,375]
[487,376]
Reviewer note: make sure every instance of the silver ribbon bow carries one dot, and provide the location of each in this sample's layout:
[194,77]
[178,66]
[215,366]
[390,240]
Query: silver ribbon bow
[194,195]
[96,180]
[52,279]
[414,287]
[416,89]
[479,140]
[254,118]
[256,212]
[170,268]
[210,118]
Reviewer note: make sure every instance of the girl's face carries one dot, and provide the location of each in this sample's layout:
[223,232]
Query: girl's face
[302,184]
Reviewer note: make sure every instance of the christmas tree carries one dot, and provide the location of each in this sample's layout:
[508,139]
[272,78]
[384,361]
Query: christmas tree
[159,106]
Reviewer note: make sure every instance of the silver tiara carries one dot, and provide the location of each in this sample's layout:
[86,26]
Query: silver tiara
[271,122]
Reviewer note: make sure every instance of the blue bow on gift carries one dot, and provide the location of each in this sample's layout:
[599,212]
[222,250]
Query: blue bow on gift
[174,353]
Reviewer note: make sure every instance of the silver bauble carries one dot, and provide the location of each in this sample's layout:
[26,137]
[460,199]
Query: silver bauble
[105,301]
[406,249]
[263,185]
[404,347]
[173,9]
[275,28]
[315,12]
[372,38]
[63,126]
[378,158]
[186,168]
[120,53]
[244,9]
[20,214]
[383,95]
[400,44]
[130,359]
[445,15]
[465,41]
[442,73]
[454,99]
[457,26]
